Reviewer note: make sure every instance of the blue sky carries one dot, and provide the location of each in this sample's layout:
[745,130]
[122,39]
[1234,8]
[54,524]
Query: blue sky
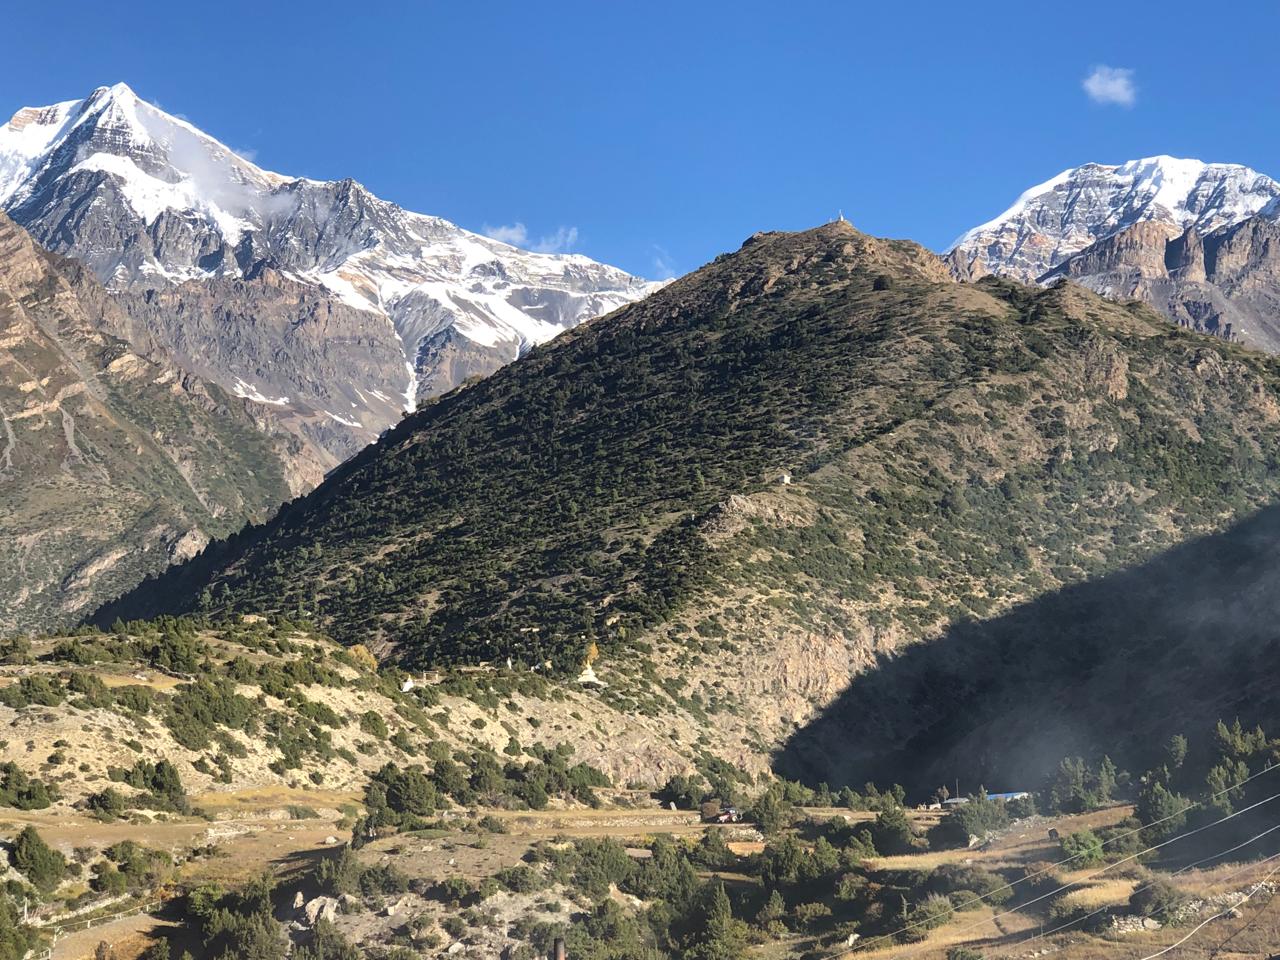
[656,135]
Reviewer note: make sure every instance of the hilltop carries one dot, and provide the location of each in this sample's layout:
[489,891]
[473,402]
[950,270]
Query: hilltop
[813,451]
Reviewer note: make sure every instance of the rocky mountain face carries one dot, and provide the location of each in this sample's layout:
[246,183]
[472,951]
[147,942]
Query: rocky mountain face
[112,465]
[316,297]
[1225,283]
[1197,241]
[814,453]
[1061,217]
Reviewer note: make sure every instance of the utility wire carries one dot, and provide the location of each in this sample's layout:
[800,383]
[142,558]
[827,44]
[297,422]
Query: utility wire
[1128,833]
[1256,917]
[1217,916]
[1110,866]
[1190,866]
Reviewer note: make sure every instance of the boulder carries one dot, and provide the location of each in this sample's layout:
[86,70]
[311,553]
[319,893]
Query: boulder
[321,908]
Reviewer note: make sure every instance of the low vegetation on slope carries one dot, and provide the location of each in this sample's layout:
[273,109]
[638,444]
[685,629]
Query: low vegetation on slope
[251,704]
[813,450]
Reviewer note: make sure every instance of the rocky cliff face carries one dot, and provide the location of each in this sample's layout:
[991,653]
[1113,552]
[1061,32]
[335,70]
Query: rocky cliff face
[1061,217]
[1225,283]
[317,297]
[329,385]
[1198,241]
[111,465]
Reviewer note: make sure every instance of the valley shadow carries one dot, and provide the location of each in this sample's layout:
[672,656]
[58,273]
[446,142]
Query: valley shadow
[1114,665]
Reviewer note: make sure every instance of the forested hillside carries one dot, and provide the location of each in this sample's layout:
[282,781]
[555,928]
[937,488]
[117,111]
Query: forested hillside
[813,451]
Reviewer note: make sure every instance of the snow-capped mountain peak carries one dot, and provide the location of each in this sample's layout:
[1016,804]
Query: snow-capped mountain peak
[148,201]
[1060,217]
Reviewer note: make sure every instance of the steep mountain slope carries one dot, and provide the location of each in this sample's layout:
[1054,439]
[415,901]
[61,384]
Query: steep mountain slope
[744,488]
[111,465]
[1112,666]
[1225,283]
[392,307]
[1062,216]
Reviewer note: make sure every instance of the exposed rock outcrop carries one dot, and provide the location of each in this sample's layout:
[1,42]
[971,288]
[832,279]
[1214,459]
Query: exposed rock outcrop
[1225,283]
[112,465]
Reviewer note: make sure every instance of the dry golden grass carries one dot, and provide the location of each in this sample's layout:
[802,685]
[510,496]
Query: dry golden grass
[273,796]
[603,822]
[924,861]
[156,681]
[1104,892]
[972,927]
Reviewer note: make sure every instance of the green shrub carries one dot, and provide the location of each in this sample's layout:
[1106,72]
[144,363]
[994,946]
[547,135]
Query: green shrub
[44,866]
[106,804]
[199,708]
[36,690]
[1083,847]
[979,817]
[1157,898]
[135,698]
[520,879]
[160,780]
[891,833]
[373,724]
[107,879]
[809,915]
[25,793]
[92,689]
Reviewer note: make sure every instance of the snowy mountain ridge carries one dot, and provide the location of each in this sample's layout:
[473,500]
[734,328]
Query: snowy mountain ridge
[1059,218]
[147,201]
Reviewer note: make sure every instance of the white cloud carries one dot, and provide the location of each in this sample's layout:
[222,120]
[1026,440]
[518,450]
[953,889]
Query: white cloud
[664,267]
[515,234]
[1112,85]
[562,241]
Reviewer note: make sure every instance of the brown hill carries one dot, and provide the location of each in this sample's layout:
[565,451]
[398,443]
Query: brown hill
[111,465]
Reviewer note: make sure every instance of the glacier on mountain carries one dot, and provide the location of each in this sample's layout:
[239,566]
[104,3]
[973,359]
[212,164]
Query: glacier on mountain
[146,200]
[1062,216]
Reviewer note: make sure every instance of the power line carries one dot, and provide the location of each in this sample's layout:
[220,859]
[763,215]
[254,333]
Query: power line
[1181,870]
[1031,876]
[1115,839]
[1217,916]
[1110,866]
[1256,917]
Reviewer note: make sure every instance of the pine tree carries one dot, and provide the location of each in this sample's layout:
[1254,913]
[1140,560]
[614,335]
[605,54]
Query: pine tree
[1105,782]
[722,937]
[44,866]
[1163,812]
[774,909]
